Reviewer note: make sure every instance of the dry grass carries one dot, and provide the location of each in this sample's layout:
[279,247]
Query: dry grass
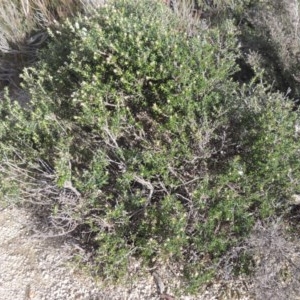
[19,18]
[277,264]
[272,266]
[23,25]
[274,36]
[39,190]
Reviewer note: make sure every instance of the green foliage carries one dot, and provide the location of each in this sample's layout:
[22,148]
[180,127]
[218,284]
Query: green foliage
[167,156]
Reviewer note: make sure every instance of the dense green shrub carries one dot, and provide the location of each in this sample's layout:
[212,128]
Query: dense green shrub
[137,133]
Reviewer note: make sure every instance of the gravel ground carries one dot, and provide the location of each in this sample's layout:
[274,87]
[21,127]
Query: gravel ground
[32,268]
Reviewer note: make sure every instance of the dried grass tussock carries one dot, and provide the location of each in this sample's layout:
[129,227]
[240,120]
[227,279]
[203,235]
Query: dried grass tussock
[23,30]
[277,271]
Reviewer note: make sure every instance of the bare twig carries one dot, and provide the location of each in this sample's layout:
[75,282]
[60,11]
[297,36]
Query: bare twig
[146,184]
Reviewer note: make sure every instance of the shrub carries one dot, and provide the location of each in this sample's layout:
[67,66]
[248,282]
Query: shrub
[137,133]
